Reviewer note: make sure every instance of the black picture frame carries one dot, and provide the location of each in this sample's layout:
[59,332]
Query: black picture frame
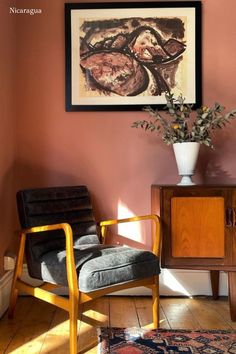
[157,46]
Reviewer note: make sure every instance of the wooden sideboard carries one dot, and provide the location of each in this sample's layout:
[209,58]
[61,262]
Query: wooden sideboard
[199,231]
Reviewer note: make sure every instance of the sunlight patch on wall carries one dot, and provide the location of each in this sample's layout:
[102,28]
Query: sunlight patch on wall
[171,282]
[132,230]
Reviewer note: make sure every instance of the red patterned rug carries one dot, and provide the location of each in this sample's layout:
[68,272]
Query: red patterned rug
[140,341]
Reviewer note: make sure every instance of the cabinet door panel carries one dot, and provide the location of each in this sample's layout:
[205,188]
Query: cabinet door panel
[197,227]
[231,230]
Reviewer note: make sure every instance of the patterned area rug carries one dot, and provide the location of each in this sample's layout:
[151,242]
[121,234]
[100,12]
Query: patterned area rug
[140,341]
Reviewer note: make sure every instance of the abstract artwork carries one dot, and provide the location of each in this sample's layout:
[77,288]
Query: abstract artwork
[123,56]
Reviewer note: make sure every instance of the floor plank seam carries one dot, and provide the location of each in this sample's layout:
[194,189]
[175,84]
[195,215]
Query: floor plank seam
[166,318]
[49,327]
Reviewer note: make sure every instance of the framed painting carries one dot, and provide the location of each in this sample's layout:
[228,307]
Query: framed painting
[124,56]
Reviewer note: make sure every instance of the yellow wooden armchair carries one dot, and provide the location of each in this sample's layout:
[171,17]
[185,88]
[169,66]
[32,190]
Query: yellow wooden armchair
[61,240]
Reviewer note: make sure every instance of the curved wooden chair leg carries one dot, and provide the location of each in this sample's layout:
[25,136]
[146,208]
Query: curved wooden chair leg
[155,303]
[12,303]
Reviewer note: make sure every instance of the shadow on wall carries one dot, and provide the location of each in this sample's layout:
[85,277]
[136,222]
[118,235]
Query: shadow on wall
[6,194]
[8,212]
[35,176]
[218,166]
[215,174]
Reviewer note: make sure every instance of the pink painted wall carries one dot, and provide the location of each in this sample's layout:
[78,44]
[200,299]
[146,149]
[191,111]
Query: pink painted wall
[100,149]
[7,133]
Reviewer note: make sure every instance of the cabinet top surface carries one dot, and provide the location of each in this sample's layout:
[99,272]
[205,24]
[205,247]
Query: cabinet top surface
[171,186]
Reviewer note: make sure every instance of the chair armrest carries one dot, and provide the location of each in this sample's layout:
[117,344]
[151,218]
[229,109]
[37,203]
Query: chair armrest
[31,230]
[70,261]
[156,232]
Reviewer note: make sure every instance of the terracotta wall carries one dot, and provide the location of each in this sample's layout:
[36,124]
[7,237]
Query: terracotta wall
[7,133]
[100,149]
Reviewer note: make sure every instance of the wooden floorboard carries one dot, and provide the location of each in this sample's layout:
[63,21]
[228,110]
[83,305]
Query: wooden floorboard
[178,314]
[30,335]
[9,329]
[40,328]
[123,312]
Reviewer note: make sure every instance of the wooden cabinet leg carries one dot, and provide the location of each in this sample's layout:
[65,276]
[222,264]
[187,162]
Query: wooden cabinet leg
[232,294]
[215,277]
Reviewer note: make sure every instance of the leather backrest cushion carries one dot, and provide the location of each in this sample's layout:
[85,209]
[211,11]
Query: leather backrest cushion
[44,206]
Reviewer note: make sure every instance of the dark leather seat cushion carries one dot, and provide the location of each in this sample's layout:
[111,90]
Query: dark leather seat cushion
[100,266]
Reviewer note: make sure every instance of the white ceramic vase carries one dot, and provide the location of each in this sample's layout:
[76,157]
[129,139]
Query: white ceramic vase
[186,155]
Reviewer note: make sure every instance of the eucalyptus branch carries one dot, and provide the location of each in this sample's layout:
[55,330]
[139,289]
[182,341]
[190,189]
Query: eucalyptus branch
[179,128]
